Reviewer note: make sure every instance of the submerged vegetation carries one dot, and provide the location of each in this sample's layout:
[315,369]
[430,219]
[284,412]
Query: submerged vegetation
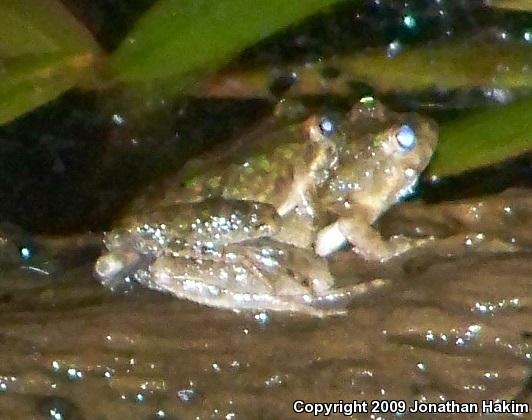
[45,51]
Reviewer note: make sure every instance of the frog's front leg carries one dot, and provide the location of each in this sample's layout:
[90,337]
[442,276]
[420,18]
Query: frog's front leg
[364,239]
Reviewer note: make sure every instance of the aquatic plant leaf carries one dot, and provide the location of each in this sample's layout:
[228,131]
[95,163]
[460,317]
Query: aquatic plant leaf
[177,37]
[31,81]
[444,66]
[40,27]
[525,5]
[44,51]
[449,65]
[483,138]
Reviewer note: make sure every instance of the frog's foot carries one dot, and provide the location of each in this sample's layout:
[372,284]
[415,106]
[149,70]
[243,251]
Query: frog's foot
[365,240]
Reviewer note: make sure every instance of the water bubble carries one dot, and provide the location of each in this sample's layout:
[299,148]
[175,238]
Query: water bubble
[262,318]
[393,49]
[118,119]
[74,374]
[409,21]
[187,394]
[25,253]
[58,408]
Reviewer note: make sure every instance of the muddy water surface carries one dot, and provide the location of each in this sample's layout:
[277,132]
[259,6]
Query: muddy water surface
[448,327]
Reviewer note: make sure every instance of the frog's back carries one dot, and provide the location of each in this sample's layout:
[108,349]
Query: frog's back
[260,174]
[259,166]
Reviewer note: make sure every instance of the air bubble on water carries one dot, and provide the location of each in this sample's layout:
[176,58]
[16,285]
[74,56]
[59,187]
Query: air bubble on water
[56,414]
[274,380]
[393,49]
[25,253]
[74,374]
[186,395]
[262,318]
[118,119]
[409,21]
[473,329]
[501,96]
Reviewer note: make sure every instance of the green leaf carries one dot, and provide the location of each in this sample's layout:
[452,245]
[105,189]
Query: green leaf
[483,138]
[449,65]
[40,27]
[179,36]
[31,81]
[43,52]
[525,5]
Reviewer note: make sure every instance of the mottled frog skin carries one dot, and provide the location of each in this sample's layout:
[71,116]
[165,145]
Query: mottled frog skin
[247,227]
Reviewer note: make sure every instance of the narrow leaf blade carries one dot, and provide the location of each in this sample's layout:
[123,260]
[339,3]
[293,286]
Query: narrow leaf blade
[179,36]
[483,138]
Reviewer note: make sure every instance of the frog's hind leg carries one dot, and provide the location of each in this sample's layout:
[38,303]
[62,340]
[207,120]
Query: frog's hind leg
[202,283]
[365,240]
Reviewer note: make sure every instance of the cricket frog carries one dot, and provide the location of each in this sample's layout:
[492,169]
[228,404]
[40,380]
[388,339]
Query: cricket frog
[247,226]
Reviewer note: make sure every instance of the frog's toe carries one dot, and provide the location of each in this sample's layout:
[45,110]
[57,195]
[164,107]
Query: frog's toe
[329,240]
[113,267]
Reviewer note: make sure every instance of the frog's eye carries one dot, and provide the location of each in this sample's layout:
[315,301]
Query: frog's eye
[327,127]
[406,137]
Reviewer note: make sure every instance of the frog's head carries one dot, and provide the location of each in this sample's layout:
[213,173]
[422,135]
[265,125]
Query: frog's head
[381,163]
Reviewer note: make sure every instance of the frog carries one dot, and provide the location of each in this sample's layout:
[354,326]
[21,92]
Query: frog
[251,225]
